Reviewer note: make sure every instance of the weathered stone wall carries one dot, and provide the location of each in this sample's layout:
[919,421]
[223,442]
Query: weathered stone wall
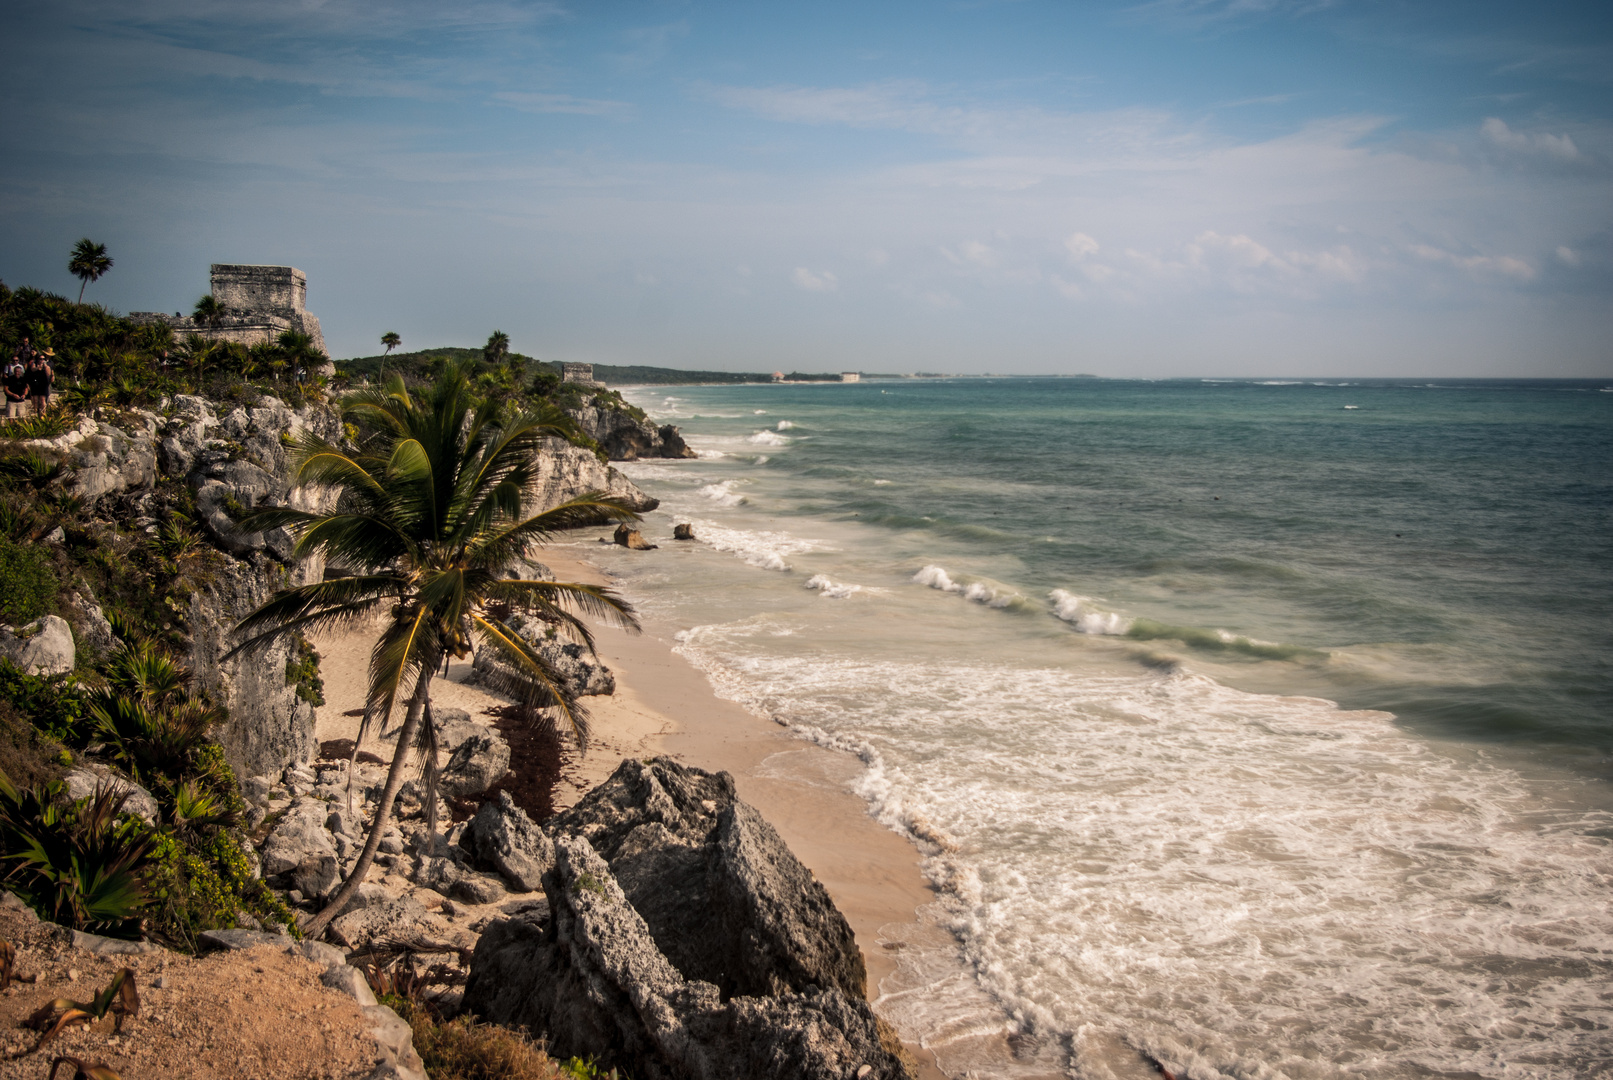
[281,290]
[260,302]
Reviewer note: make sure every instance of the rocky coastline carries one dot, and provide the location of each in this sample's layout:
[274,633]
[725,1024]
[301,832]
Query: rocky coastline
[661,924]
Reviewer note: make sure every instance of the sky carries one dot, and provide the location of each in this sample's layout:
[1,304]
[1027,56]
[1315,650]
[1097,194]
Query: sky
[1144,189]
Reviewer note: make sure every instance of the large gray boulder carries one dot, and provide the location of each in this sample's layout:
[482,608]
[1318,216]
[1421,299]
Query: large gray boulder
[592,980]
[724,897]
[83,782]
[42,647]
[298,836]
[476,764]
[394,919]
[501,837]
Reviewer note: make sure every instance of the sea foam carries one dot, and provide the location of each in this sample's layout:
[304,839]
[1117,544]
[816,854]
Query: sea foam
[835,590]
[979,592]
[1077,610]
[766,550]
[1160,861]
[768,438]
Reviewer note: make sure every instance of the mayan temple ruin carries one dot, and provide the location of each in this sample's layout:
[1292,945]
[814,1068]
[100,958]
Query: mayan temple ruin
[258,304]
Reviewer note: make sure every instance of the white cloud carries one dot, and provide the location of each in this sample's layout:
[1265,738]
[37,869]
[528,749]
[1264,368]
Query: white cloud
[980,254]
[562,103]
[820,282]
[1560,147]
[1509,265]
[1568,256]
[1080,245]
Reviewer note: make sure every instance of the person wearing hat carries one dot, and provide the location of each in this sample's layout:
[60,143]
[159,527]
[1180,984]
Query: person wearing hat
[40,375]
[16,383]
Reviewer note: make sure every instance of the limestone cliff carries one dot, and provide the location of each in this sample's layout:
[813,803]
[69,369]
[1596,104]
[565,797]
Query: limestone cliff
[232,459]
[627,434]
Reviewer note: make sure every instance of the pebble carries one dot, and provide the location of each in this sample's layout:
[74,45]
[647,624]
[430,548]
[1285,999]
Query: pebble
[72,974]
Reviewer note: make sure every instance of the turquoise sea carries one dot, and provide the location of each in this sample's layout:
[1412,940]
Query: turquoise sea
[1263,728]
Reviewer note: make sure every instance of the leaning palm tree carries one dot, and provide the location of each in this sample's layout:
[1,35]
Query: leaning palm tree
[437,502]
[391,340]
[88,262]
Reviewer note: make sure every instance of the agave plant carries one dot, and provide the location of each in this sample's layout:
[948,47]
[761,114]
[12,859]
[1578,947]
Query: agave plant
[145,712]
[120,998]
[78,864]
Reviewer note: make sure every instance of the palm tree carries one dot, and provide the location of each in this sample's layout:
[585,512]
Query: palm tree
[88,263]
[436,503]
[208,311]
[497,347]
[391,340]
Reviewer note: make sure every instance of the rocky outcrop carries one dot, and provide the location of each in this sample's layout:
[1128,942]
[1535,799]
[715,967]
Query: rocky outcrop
[42,647]
[627,436]
[628,537]
[579,670]
[565,472]
[592,977]
[501,837]
[681,941]
[723,895]
[232,463]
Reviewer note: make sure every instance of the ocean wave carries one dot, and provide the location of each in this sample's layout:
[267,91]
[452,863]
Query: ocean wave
[1076,610]
[1088,834]
[768,438]
[766,550]
[785,425]
[979,592]
[1221,641]
[835,590]
[723,494]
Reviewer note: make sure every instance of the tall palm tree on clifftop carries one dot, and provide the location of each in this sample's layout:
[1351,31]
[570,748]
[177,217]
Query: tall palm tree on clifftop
[437,501]
[391,340]
[88,262]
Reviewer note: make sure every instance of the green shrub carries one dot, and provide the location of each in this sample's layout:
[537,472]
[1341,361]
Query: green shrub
[302,671]
[48,426]
[52,703]
[199,883]
[28,585]
[76,864]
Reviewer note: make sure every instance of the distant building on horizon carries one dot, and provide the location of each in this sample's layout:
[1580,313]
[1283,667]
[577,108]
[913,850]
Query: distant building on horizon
[581,374]
[259,304]
[851,376]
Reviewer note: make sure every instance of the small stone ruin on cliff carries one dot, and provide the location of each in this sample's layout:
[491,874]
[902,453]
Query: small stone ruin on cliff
[258,304]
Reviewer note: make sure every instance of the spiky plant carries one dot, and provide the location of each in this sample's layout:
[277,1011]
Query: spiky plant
[438,501]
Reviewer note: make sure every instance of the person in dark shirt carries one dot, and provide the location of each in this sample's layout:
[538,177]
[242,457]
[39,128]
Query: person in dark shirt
[16,383]
[40,376]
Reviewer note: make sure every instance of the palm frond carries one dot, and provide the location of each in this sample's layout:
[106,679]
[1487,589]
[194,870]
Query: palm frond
[533,681]
[315,607]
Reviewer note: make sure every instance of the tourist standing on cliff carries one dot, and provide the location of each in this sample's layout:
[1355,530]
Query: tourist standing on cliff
[16,382]
[39,376]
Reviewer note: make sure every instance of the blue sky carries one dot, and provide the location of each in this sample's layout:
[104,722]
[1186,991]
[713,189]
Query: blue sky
[1172,187]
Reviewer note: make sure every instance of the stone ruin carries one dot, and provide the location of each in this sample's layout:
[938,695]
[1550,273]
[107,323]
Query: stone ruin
[259,302]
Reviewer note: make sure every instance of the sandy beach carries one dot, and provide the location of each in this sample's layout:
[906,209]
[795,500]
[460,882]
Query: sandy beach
[663,705]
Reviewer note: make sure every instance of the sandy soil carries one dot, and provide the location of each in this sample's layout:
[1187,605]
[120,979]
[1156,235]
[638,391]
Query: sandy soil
[258,1013]
[664,705]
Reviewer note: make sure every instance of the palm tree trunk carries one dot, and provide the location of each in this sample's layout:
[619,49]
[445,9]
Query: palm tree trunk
[82,284]
[383,809]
